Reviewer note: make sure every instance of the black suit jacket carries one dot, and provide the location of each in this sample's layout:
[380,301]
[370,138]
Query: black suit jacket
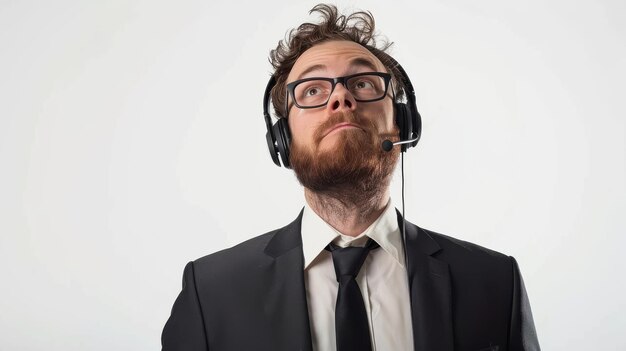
[252,297]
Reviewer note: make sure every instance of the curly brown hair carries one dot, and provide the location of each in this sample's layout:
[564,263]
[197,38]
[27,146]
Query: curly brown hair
[357,27]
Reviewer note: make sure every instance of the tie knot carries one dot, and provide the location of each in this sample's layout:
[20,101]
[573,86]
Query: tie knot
[348,260]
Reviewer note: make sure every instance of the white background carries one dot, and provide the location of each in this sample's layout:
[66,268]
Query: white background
[132,141]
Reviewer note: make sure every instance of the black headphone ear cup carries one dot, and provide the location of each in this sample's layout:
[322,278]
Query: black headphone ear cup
[272,147]
[404,122]
[417,126]
[283,140]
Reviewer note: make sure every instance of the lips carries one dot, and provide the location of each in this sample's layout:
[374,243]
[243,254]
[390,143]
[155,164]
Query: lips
[339,126]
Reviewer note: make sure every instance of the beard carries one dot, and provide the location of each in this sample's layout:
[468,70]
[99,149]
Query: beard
[353,170]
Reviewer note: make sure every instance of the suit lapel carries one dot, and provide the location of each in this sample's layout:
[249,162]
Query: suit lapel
[429,282]
[285,304]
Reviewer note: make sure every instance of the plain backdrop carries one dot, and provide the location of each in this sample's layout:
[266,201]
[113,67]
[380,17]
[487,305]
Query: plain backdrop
[132,141]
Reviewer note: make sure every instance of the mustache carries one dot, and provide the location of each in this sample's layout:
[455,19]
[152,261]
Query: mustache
[340,117]
[366,125]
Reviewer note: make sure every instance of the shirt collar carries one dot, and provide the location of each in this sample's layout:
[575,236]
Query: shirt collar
[316,234]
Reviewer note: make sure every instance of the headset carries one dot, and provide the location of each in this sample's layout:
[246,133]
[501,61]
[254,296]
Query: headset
[407,118]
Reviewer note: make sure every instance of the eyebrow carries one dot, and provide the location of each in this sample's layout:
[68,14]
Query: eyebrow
[359,61]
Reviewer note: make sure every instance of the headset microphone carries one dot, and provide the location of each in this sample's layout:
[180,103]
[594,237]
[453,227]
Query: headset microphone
[387,144]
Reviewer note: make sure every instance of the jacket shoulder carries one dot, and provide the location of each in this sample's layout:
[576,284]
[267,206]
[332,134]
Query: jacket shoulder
[242,255]
[452,248]
[246,257]
[471,263]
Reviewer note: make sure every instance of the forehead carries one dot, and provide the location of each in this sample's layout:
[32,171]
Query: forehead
[334,58]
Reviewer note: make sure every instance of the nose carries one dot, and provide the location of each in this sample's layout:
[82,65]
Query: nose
[341,99]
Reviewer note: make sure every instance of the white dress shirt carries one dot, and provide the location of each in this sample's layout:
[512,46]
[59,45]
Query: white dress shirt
[382,279]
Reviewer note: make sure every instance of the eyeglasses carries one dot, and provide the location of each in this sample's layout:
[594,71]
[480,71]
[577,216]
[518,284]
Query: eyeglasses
[316,91]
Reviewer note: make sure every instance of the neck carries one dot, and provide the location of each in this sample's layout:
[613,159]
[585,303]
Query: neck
[346,214]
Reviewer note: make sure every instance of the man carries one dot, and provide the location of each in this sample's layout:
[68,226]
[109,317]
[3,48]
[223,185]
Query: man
[342,276]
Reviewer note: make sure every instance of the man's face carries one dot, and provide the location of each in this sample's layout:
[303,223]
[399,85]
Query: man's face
[334,59]
[336,148]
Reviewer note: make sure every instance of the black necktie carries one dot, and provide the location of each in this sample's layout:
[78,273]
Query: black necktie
[351,327]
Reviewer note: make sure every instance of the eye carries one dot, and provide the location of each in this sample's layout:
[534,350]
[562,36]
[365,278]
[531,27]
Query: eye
[312,91]
[363,84]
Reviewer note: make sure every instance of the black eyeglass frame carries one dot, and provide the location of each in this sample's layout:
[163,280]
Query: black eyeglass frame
[291,87]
